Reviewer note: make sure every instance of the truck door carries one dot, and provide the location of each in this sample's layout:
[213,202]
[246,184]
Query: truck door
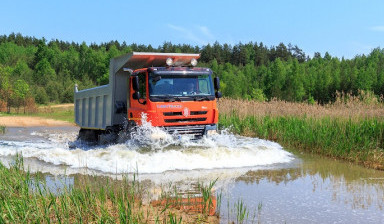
[137,107]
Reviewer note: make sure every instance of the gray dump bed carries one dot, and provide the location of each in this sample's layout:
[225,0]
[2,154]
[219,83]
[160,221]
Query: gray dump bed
[106,106]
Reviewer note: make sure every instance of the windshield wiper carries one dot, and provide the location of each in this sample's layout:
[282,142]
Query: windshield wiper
[201,98]
[170,98]
[177,98]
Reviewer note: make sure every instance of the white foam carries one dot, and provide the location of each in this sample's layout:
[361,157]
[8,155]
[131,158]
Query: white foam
[146,153]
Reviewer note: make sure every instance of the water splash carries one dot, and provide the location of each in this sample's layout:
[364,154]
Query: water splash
[148,137]
[150,150]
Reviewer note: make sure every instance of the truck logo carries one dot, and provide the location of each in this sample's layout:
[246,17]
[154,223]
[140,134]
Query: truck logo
[186,112]
[169,106]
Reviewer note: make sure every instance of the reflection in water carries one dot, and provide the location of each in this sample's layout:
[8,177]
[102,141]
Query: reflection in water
[318,190]
[365,187]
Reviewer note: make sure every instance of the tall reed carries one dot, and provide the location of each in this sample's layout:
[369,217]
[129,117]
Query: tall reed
[25,198]
[346,106]
[351,128]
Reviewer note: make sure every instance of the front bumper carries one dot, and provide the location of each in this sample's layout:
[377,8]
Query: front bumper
[196,130]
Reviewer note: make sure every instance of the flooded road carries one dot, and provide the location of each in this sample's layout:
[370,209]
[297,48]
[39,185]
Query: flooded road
[274,185]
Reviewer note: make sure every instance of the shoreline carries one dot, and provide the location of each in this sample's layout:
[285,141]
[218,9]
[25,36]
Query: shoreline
[31,121]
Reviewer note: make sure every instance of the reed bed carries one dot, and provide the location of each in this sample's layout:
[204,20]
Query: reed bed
[349,130]
[25,198]
[350,109]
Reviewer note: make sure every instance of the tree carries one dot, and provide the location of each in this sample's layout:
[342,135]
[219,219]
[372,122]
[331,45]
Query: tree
[43,72]
[5,87]
[20,93]
[276,79]
[294,85]
[296,52]
[247,70]
[40,95]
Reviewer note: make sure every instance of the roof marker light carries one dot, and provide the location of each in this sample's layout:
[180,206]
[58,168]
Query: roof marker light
[169,62]
[193,62]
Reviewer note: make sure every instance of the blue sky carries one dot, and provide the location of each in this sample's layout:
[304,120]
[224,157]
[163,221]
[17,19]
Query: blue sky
[343,28]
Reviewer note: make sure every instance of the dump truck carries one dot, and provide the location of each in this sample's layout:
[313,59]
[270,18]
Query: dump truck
[166,89]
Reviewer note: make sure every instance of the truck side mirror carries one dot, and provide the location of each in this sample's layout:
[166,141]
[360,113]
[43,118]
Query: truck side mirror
[218,94]
[135,83]
[216,82]
[136,95]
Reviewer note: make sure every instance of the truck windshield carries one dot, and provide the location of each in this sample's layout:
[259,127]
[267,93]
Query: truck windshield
[180,87]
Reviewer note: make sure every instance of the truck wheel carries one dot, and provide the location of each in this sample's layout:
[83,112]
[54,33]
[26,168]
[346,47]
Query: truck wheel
[87,135]
[107,136]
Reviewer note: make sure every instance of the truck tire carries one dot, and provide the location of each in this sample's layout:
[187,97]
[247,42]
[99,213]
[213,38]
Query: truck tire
[108,136]
[88,135]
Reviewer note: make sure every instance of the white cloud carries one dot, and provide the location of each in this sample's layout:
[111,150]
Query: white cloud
[377,28]
[204,30]
[200,34]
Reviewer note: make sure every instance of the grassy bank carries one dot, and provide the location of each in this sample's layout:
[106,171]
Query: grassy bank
[356,141]
[25,198]
[2,129]
[63,112]
[352,131]
[57,113]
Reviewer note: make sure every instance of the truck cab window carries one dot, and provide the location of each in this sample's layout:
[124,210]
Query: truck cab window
[143,85]
[203,86]
[162,87]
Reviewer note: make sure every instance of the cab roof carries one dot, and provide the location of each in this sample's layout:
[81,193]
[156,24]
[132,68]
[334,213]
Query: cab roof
[136,60]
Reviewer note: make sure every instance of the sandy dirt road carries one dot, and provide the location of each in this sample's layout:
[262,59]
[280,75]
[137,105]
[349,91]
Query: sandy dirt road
[25,121]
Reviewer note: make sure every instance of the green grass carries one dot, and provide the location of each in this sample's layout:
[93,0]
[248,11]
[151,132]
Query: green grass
[63,115]
[66,114]
[25,198]
[359,141]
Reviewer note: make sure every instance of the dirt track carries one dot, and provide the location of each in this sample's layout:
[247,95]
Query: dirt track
[24,121]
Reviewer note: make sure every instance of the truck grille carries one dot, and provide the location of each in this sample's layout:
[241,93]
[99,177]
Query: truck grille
[185,120]
[173,113]
[197,130]
[171,117]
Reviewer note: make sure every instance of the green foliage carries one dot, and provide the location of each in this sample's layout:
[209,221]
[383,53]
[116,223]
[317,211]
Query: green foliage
[2,129]
[206,192]
[26,198]
[258,95]
[249,71]
[241,211]
[43,73]
[311,100]
[5,86]
[19,94]
[41,96]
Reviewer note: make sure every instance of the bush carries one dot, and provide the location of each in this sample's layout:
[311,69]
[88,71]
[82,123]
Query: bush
[41,96]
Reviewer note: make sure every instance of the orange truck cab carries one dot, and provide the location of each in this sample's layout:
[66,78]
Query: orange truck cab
[166,89]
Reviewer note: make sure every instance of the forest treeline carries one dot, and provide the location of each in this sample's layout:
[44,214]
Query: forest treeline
[37,70]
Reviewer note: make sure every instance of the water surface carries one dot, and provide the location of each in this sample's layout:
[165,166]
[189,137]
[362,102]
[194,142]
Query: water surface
[275,185]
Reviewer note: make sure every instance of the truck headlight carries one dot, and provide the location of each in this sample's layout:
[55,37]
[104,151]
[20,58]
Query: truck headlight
[193,62]
[169,61]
